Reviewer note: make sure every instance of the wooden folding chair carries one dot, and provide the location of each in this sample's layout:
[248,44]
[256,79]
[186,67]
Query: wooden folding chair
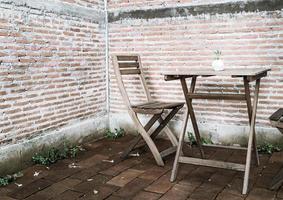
[131,65]
[276,120]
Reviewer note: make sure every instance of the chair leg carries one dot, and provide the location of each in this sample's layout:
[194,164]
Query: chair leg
[171,136]
[138,138]
[147,139]
[164,125]
[133,144]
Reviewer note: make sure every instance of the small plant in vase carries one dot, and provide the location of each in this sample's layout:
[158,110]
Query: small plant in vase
[218,64]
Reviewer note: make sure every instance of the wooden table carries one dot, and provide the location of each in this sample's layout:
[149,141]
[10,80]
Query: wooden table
[247,75]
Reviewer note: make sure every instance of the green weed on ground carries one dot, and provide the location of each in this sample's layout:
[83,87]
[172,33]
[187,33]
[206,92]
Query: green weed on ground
[117,133]
[192,139]
[265,148]
[52,155]
[5,180]
[268,148]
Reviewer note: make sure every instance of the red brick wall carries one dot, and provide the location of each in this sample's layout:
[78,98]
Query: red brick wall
[86,3]
[52,71]
[246,40]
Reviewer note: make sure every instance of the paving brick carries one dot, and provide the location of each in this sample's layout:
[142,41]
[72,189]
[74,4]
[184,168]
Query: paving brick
[264,180]
[280,193]
[184,170]
[93,170]
[60,174]
[235,186]
[55,189]
[30,189]
[89,186]
[276,157]
[120,167]
[142,195]
[190,183]
[154,173]
[29,174]
[222,177]
[114,198]
[206,191]
[222,154]
[200,174]
[38,196]
[7,198]
[146,164]
[99,192]
[178,192]
[87,173]
[125,177]
[4,191]
[93,160]
[229,196]
[272,168]
[261,194]
[69,195]
[162,185]
[132,188]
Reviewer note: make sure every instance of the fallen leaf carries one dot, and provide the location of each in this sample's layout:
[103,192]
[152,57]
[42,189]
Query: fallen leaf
[110,161]
[74,165]
[36,173]
[19,184]
[95,192]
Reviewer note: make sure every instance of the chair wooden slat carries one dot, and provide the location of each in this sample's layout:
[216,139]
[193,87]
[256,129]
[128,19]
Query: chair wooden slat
[157,105]
[148,111]
[129,65]
[277,115]
[127,58]
[130,71]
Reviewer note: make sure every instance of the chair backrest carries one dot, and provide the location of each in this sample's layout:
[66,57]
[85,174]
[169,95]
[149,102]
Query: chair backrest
[129,65]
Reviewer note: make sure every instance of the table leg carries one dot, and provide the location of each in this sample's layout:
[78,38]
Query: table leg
[251,135]
[192,114]
[179,148]
[249,106]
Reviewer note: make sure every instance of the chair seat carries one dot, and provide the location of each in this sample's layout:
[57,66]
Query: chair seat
[154,107]
[277,116]
[276,119]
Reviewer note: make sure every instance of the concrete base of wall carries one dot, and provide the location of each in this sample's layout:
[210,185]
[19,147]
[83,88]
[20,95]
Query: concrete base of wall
[218,133]
[18,156]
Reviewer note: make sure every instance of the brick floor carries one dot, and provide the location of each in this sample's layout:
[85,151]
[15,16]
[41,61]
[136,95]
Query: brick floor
[139,178]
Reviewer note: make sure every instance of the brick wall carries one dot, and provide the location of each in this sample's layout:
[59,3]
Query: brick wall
[52,67]
[246,39]
[97,4]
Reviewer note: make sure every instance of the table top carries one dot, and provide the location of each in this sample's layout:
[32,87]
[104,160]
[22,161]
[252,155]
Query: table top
[225,72]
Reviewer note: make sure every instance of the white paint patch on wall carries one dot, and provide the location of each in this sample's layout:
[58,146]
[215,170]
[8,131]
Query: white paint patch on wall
[219,133]
[15,156]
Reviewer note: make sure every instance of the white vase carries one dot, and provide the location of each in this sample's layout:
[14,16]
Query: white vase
[218,65]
